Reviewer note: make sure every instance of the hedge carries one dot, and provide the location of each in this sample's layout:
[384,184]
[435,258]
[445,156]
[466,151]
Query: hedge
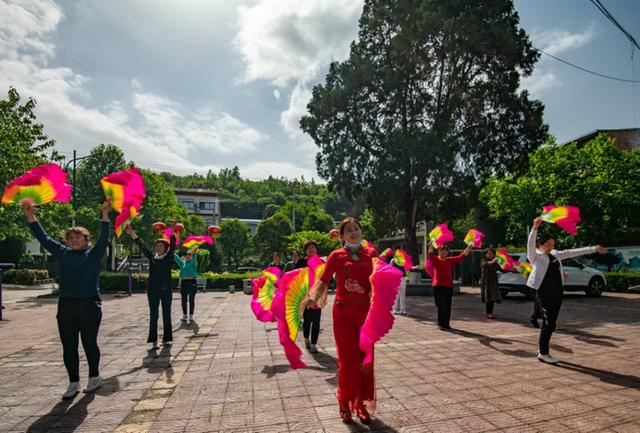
[118,282]
[24,276]
[621,281]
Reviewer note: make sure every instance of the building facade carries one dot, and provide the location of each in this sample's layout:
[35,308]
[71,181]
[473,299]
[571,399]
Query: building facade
[204,203]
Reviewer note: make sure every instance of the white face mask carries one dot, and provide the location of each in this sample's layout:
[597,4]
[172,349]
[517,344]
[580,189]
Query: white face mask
[351,246]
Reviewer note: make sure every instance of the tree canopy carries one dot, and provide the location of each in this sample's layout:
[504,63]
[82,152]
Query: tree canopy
[603,181]
[426,106]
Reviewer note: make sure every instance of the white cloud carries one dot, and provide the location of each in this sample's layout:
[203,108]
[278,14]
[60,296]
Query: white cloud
[540,81]
[261,170]
[150,128]
[290,43]
[554,42]
[286,41]
[557,41]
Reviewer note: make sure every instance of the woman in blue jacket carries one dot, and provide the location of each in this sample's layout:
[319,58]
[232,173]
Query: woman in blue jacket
[79,303]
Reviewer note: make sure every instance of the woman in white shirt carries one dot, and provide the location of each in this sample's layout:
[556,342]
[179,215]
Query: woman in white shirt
[546,278]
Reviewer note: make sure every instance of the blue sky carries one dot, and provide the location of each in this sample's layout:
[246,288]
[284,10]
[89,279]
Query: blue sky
[194,85]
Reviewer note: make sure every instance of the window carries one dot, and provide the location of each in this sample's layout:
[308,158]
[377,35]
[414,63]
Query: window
[189,204]
[570,263]
[208,205]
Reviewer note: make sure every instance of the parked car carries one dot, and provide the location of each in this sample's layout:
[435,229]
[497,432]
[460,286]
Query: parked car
[578,277]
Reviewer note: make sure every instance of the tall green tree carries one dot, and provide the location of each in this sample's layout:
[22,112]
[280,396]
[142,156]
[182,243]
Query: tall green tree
[426,105]
[597,177]
[101,161]
[24,145]
[271,235]
[235,240]
[319,221]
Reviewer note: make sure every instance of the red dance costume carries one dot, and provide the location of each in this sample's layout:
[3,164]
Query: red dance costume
[356,384]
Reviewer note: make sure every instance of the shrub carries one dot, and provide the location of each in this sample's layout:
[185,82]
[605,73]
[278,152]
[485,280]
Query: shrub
[24,276]
[119,282]
[621,281]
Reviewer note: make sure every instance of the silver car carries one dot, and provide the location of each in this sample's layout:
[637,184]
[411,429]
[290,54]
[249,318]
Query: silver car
[577,277]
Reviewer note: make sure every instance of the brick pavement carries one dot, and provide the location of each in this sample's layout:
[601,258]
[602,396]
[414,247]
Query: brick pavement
[229,373]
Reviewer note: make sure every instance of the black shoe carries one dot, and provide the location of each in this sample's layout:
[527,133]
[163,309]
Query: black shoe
[535,323]
[444,328]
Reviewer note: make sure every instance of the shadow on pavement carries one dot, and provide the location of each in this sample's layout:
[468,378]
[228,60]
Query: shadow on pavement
[63,416]
[494,342]
[624,380]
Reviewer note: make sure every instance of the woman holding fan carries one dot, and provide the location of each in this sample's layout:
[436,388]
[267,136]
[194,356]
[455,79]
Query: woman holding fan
[79,303]
[352,266]
[188,265]
[546,278]
[159,291]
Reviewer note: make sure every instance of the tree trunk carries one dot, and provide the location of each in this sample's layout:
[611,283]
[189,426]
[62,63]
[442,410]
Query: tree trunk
[411,206]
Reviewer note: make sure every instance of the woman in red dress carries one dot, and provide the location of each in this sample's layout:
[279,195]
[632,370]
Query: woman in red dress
[352,266]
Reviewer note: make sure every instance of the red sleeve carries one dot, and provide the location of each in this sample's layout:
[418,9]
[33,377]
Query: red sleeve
[431,256]
[330,267]
[456,259]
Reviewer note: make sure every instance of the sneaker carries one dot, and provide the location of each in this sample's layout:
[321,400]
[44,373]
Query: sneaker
[403,313]
[72,391]
[313,348]
[394,312]
[307,344]
[154,345]
[184,318]
[547,358]
[535,323]
[167,343]
[188,320]
[93,384]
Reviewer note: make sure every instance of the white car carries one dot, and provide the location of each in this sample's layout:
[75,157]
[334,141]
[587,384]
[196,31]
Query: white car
[577,277]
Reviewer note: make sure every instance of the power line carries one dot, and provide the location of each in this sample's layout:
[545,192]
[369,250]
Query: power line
[624,80]
[598,4]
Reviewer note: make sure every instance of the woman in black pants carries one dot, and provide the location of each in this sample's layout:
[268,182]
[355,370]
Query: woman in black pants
[312,315]
[546,278]
[79,304]
[489,291]
[159,292]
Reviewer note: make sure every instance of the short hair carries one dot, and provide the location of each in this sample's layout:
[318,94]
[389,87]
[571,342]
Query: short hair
[79,231]
[544,236]
[308,243]
[443,247]
[346,221]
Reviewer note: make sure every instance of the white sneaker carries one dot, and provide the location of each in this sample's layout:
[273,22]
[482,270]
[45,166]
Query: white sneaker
[547,358]
[188,320]
[93,384]
[403,313]
[72,391]
[394,312]
[184,317]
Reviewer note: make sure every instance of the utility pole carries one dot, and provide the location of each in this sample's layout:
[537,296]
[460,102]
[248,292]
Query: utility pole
[74,161]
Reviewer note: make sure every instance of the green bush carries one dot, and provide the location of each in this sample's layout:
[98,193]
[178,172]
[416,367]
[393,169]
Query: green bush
[621,281]
[118,282]
[24,276]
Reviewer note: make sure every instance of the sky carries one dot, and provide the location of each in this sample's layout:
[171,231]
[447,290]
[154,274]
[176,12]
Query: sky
[191,85]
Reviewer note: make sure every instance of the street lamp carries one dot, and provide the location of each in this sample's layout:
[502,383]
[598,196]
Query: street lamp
[73,183]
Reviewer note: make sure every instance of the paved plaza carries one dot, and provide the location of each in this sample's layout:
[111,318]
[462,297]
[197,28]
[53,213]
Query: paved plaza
[227,373]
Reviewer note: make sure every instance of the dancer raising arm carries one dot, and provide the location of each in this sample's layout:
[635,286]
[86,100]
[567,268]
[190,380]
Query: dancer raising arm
[546,278]
[159,291]
[188,265]
[442,282]
[79,303]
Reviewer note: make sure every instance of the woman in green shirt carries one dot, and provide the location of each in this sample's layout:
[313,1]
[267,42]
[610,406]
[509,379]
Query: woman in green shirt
[188,265]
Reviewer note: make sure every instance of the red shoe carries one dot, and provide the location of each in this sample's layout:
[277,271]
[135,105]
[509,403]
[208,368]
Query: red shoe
[345,414]
[363,414]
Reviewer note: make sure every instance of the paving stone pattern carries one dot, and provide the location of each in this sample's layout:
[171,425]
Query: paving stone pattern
[227,373]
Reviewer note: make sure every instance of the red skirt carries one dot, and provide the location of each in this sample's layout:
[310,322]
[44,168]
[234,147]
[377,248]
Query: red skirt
[356,383]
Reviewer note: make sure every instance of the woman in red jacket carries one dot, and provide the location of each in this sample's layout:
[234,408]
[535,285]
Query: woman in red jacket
[442,282]
[352,266]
